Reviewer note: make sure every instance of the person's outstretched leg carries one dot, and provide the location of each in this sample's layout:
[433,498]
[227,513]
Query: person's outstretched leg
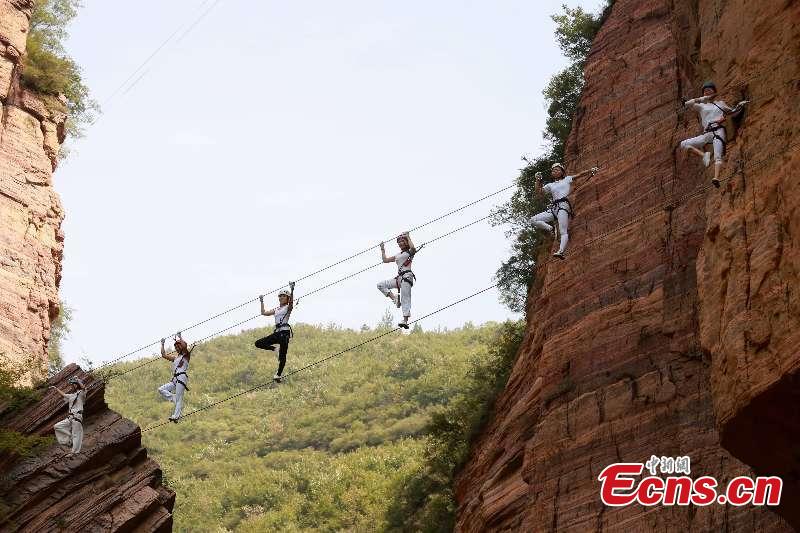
[268,342]
[405,298]
[77,436]
[284,349]
[180,390]
[63,431]
[386,287]
[167,390]
[542,221]
[563,225]
[696,144]
[719,152]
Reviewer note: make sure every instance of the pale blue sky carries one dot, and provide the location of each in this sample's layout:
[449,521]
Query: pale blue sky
[277,137]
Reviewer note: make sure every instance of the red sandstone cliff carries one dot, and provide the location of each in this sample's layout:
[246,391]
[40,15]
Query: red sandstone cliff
[31,242]
[110,486]
[678,334]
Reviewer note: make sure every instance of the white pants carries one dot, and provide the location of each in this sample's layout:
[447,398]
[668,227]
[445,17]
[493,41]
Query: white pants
[69,432]
[544,220]
[700,141]
[405,292]
[173,392]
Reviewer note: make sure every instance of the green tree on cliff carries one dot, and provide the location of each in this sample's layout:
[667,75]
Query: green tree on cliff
[575,31]
[48,69]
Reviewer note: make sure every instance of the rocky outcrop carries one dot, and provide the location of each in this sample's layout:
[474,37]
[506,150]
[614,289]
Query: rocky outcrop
[672,327]
[111,485]
[31,241]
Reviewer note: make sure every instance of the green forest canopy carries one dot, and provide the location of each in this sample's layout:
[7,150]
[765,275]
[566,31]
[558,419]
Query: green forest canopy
[342,446]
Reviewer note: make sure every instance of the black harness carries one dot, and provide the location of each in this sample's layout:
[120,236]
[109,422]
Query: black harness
[176,379]
[284,324]
[402,274]
[561,204]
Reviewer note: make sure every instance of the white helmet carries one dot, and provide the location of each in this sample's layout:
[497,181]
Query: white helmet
[284,292]
[558,165]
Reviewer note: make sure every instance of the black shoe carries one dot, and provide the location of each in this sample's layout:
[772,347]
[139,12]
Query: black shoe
[559,255]
[277,378]
[173,420]
[403,325]
[715,183]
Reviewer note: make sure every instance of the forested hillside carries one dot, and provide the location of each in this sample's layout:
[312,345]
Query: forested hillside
[331,448]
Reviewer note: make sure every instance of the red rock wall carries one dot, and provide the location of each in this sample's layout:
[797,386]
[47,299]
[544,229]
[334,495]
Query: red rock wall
[748,267]
[111,485]
[624,334]
[31,242]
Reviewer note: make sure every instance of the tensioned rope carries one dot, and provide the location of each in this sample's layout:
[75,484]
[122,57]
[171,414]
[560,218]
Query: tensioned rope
[667,114]
[656,209]
[582,152]
[652,211]
[155,52]
[320,361]
[314,273]
[314,291]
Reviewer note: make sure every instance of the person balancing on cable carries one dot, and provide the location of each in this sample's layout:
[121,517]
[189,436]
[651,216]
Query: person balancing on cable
[712,116]
[174,390]
[283,331]
[405,277]
[559,210]
[69,431]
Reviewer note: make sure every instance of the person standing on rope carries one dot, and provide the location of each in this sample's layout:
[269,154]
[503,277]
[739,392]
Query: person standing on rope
[712,116]
[69,431]
[283,331]
[559,210]
[405,277]
[174,390]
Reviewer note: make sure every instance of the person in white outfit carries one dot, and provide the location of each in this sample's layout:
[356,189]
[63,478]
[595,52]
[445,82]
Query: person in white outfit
[712,116]
[69,431]
[405,277]
[175,389]
[283,331]
[559,209]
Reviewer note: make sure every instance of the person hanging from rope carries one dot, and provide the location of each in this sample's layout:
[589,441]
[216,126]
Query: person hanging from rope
[405,277]
[712,116]
[283,331]
[559,210]
[69,431]
[174,390]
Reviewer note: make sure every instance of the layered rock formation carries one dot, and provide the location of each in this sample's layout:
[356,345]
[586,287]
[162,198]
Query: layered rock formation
[31,241]
[110,486]
[672,327]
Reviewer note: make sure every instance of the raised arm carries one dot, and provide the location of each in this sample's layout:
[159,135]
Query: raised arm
[265,312]
[58,390]
[411,246]
[694,101]
[291,297]
[164,354]
[385,259]
[735,110]
[591,172]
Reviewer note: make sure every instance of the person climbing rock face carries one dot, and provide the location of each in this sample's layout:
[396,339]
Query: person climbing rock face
[174,390]
[560,209]
[283,331]
[69,431]
[405,277]
[712,114]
